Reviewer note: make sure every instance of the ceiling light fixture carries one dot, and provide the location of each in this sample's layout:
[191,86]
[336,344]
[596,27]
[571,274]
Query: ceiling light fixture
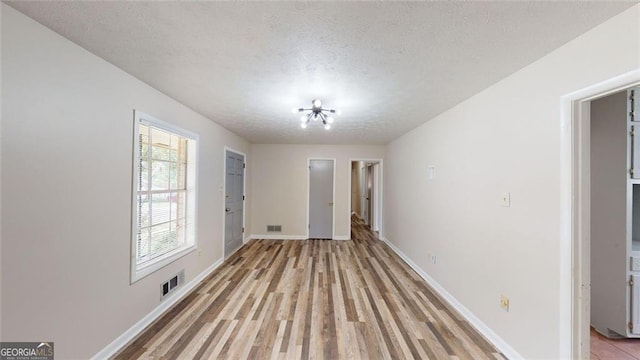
[316,112]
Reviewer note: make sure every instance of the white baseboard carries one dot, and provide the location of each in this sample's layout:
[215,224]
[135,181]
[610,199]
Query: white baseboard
[122,340]
[481,327]
[279,237]
[291,237]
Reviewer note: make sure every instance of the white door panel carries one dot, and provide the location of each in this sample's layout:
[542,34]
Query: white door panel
[633,109]
[364,202]
[635,151]
[375,198]
[636,104]
[369,174]
[635,304]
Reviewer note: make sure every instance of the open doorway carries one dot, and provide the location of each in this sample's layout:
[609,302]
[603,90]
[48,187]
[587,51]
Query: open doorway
[615,241]
[600,138]
[366,192]
[608,175]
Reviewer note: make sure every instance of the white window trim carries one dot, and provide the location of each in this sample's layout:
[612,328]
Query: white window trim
[140,271]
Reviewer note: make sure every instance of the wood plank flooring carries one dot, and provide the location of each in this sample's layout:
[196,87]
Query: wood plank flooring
[603,348]
[312,299]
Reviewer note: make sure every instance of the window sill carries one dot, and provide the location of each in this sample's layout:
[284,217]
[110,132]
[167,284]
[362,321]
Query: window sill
[140,271]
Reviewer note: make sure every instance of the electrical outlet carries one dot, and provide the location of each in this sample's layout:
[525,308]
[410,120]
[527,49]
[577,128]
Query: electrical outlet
[434,259]
[504,302]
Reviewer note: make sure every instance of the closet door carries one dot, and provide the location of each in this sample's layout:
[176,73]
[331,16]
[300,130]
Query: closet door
[635,304]
[633,112]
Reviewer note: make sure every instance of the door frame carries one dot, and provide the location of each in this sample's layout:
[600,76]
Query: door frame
[361,190]
[575,217]
[376,219]
[368,180]
[333,208]
[224,191]
[377,191]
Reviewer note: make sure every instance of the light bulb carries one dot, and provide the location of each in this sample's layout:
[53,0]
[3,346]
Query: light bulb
[303,125]
[338,112]
[303,118]
[317,103]
[327,126]
[330,120]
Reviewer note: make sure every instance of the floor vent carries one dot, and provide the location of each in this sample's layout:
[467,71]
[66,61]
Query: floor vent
[170,285]
[274,228]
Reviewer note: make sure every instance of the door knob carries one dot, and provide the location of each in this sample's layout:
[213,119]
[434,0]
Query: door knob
[227,209]
[330,204]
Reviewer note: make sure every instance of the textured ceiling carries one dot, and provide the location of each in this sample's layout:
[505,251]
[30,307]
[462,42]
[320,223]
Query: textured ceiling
[388,66]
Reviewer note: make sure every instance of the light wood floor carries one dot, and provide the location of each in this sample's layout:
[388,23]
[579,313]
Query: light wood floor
[312,299]
[603,348]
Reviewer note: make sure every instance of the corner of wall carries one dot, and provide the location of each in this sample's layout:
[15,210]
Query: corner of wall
[53,124]
[130,334]
[480,326]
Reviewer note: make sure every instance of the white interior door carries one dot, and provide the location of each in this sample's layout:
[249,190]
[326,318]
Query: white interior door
[633,111]
[375,198]
[635,304]
[234,202]
[321,199]
[364,201]
[635,151]
[369,174]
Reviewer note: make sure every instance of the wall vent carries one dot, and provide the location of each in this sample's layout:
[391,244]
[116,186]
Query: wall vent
[170,285]
[274,228]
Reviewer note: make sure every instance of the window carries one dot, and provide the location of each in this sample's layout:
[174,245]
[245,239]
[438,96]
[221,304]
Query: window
[164,194]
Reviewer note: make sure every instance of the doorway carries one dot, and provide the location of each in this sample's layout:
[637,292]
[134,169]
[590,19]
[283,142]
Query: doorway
[577,212]
[608,168]
[321,198]
[366,192]
[233,201]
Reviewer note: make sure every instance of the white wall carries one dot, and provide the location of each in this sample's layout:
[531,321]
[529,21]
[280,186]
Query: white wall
[279,185]
[504,139]
[67,126]
[609,213]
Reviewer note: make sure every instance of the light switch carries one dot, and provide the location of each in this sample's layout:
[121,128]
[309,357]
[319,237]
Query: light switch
[431,172]
[505,199]
[635,263]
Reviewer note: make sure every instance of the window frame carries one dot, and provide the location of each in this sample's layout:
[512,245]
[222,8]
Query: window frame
[139,271]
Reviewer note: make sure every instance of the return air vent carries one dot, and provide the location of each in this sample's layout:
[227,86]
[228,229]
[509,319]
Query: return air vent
[274,228]
[170,285]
